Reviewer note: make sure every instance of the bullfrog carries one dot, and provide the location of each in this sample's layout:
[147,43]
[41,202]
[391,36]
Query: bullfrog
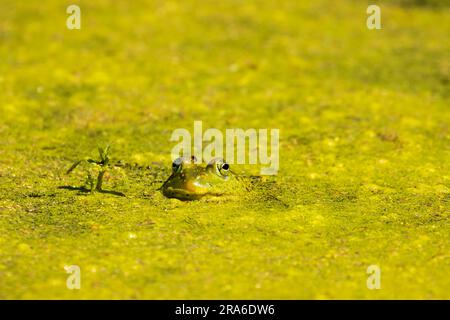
[192,181]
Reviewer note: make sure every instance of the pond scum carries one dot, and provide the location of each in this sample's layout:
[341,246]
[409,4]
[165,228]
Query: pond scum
[364,172]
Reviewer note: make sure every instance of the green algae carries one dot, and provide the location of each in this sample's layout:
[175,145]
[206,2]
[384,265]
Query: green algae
[364,158]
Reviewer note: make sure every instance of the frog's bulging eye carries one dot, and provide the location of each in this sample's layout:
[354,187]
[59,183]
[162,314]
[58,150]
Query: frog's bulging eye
[223,167]
[219,167]
[177,164]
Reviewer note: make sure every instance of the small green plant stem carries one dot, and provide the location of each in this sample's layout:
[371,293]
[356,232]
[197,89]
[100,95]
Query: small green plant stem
[100,179]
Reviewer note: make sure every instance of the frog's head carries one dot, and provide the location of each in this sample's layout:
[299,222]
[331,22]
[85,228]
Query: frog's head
[192,181]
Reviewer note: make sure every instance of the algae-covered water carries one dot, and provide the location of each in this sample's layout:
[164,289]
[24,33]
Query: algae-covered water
[364,174]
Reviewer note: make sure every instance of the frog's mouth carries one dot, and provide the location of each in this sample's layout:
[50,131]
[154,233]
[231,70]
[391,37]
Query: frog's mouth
[182,194]
[185,195]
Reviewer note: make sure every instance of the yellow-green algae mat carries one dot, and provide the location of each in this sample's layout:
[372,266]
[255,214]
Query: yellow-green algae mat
[364,173]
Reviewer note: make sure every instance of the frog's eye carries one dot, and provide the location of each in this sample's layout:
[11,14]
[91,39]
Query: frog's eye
[219,167]
[177,164]
[223,168]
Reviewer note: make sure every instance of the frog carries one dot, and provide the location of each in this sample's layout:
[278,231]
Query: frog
[193,181]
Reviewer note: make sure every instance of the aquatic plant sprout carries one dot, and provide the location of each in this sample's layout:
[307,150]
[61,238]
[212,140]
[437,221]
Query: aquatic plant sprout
[103,163]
